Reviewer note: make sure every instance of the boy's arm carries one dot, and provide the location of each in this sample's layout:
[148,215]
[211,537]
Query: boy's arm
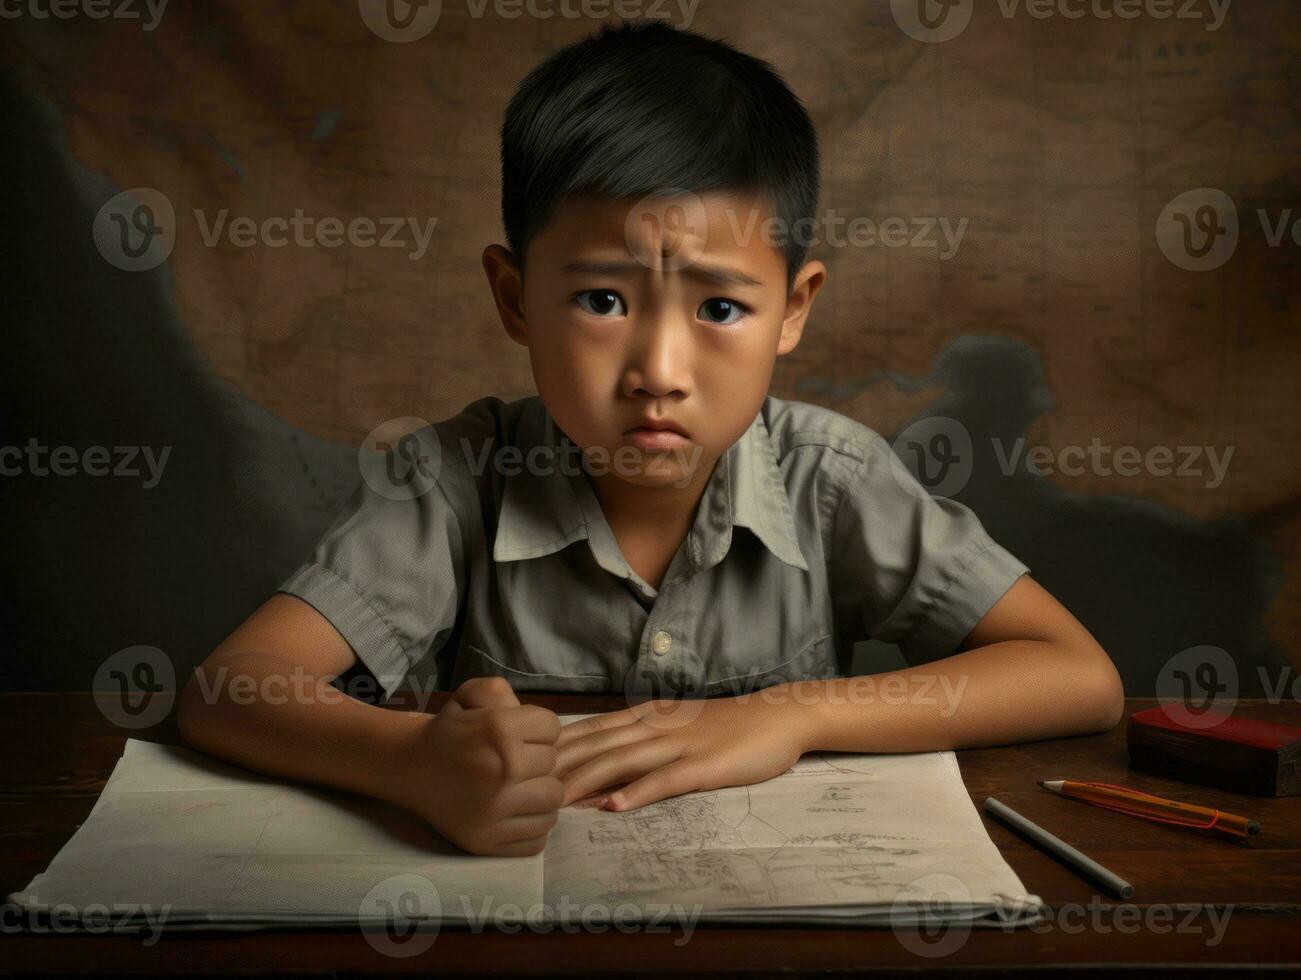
[1028,670]
[263,700]
[479,771]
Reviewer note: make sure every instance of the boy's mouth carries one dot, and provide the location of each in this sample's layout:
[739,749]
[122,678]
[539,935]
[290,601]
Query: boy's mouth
[657,434]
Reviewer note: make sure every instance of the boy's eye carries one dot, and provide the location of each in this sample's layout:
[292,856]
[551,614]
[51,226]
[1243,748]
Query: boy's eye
[720,310]
[601,302]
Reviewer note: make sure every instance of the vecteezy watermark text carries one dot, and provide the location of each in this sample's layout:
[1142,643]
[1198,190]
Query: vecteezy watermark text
[670,229]
[1104,460]
[404,21]
[929,918]
[936,21]
[1211,11]
[64,918]
[402,458]
[309,232]
[410,911]
[37,459]
[567,459]
[856,231]
[90,9]
[571,916]
[136,230]
[938,454]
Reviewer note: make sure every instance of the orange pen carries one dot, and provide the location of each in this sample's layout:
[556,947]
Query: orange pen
[1150,807]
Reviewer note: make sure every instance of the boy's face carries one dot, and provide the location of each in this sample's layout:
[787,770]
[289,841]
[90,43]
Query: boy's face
[672,310]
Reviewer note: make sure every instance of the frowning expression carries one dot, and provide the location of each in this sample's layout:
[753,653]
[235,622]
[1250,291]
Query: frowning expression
[653,327]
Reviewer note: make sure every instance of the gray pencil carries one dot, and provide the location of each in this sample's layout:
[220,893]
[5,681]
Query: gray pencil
[1059,848]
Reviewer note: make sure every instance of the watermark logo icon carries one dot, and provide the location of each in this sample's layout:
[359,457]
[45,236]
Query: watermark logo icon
[935,452]
[400,916]
[667,687]
[400,459]
[135,230]
[400,21]
[1198,687]
[932,21]
[667,230]
[1198,230]
[140,684]
[927,916]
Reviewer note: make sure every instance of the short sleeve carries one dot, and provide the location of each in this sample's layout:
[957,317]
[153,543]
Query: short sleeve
[385,574]
[921,570]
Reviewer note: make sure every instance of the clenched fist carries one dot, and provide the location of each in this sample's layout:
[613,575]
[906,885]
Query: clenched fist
[485,776]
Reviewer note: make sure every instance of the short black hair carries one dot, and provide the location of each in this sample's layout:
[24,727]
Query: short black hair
[641,107]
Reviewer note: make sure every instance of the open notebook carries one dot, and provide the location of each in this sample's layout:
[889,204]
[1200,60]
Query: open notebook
[179,840]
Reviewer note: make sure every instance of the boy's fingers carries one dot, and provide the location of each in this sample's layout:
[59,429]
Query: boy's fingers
[673,780]
[540,795]
[537,724]
[581,750]
[486,692]
[450,707]
[521,848]
[530,760]
[597,723]
[619,766]
[528,826]
[591,802]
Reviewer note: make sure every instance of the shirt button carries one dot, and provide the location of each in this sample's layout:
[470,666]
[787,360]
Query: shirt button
[661,642]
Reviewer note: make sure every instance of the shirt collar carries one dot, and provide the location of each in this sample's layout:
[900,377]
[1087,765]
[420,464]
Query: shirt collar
[547,507]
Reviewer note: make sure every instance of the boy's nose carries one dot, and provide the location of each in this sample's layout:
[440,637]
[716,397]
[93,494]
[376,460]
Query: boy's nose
[660,360]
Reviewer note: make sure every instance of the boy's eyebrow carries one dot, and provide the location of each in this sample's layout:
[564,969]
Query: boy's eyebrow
[697,270]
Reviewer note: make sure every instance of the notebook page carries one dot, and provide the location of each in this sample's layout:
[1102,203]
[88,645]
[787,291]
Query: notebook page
[835,832]
[176,830]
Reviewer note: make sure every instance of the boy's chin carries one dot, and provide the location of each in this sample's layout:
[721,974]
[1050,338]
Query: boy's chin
[607,456]
[657,477]
[660,469]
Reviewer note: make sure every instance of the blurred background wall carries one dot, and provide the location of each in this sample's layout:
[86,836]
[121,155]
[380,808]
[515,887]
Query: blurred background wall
[1085,239]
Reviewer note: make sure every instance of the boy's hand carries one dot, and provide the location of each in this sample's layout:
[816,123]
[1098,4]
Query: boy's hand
[485,778]
[665,748]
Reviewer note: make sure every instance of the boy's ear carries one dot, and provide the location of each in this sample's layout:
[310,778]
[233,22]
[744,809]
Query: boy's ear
[507,285]
[806,285]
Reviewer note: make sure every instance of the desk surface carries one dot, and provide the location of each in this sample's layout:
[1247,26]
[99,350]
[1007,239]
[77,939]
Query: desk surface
[1201,901]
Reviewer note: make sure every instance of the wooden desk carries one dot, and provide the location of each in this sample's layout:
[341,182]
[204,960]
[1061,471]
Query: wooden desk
[61,750]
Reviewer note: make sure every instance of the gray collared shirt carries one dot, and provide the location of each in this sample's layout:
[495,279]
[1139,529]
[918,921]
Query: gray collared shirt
[489,555]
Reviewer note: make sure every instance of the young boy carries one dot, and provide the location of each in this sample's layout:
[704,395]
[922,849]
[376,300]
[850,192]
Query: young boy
[653,519]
